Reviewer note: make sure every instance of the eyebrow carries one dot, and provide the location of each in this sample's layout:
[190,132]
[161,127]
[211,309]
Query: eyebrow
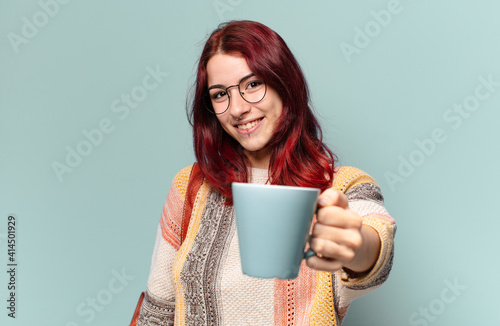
[222,86]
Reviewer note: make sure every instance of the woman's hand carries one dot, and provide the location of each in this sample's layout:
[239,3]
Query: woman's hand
[339,238]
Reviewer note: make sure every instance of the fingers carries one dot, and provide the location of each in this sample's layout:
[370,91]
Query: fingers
[323,264]
[323,235]
[332,250]
[331,255]
[331,197]
[339,217]
[336,236]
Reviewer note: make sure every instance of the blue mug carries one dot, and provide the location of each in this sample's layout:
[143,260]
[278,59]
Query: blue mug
[273,224]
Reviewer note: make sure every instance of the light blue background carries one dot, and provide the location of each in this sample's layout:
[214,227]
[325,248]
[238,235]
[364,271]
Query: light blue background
[75,235]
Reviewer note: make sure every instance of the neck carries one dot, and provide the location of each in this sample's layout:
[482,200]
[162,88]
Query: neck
[259,159]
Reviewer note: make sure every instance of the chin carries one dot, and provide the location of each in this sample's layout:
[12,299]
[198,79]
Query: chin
[255,149]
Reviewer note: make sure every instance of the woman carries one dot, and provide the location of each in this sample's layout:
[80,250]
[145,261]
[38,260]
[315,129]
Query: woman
[252,123]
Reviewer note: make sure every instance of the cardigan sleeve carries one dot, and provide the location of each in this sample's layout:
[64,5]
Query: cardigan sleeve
[158,306]
[365,198]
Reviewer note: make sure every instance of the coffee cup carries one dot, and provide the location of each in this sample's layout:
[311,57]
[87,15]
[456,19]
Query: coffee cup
[273,224]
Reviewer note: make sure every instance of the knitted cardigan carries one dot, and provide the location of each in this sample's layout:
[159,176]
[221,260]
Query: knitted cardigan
[199,281]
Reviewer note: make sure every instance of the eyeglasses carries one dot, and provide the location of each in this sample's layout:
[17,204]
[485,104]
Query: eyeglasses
[251,88]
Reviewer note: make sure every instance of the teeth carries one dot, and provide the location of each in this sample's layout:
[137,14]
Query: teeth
[249,125]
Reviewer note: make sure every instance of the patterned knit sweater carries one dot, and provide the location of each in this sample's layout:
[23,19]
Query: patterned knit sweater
[200,282]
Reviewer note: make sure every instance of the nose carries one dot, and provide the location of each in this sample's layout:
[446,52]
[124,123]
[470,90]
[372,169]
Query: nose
[237,105]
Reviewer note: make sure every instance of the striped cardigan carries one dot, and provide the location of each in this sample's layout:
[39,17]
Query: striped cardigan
[199,281]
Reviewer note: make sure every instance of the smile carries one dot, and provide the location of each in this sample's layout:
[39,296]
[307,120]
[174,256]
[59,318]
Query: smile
[249,125]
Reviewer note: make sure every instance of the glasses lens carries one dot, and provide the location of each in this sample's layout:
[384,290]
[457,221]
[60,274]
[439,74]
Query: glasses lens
[253,89]
[219,99]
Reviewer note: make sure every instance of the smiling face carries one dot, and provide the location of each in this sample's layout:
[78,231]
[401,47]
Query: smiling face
[251,124]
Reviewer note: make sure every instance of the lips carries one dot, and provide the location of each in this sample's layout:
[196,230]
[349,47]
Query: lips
[249,125]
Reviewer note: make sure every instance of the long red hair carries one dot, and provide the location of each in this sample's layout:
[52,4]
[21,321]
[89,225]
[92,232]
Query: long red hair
[298,156]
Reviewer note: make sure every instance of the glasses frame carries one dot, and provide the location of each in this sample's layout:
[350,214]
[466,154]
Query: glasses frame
[208,100]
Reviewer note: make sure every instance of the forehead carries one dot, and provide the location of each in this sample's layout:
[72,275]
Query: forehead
[226,69]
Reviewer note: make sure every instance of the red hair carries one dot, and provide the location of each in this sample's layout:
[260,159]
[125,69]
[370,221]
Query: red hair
[298,155]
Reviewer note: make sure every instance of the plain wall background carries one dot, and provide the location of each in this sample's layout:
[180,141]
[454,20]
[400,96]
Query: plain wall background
[62,66]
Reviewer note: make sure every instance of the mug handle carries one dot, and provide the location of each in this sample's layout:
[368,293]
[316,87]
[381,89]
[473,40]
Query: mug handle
[309,253]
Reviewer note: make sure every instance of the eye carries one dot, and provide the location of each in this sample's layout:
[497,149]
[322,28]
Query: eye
[253,84]
[218,95]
